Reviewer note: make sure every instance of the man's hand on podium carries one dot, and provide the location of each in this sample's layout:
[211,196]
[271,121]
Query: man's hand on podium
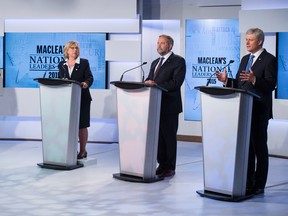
[151,82]
[84,85]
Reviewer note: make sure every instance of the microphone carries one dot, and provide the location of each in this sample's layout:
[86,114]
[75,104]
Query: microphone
[209,79]
[133,69]
[64,74]
[231,75]
[142,74]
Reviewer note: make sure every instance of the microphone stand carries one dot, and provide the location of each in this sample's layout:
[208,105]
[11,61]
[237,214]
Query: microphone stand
[231,75]
[209,79]
[132,69]
[143,73]
[228,65]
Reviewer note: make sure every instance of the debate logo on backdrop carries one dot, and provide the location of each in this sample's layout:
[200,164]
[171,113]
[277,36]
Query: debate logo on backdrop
[206,66]
[46,59]
[33,55]
[210,45]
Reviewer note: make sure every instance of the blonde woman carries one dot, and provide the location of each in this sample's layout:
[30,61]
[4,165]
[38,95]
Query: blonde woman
[76,68]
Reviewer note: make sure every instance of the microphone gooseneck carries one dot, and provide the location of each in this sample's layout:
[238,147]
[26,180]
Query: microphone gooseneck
[209,79]
[231,61]
[143,74]
[64,74]
[133,69]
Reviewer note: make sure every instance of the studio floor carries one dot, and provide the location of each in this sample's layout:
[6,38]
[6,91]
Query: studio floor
[27,189]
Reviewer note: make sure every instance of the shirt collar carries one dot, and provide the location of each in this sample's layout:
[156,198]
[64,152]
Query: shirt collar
[167,55]
[77,61]
[258,53]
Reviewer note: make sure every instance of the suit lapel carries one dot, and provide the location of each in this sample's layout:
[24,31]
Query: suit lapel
[66,71]
[75,69]
[164,65]
[258,60]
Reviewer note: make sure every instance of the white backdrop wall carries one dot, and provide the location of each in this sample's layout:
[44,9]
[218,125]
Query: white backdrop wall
[20,107]
[269,15]
[183,12]
[84,9]
[120,19]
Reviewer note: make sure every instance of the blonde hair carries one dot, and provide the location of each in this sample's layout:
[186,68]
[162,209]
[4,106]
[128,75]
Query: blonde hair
[70,44]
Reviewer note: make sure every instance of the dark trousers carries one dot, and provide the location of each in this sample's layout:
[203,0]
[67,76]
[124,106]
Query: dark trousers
[258,160]
[167,144]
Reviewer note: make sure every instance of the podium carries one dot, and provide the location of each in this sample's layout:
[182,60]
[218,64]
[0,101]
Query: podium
[138,108]
[60,110]
[226,121]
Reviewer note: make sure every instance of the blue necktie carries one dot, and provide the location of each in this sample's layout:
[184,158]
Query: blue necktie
[249,64]
[158,67]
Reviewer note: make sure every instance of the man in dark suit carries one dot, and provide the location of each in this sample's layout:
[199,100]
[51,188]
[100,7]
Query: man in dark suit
[168,72]
[261,79]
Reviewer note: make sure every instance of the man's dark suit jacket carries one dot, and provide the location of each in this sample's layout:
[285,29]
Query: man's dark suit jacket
[265,70]
[170,77]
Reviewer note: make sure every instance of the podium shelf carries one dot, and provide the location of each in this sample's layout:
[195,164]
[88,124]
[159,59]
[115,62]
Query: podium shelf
[49,81]
[134,85]
[218,90]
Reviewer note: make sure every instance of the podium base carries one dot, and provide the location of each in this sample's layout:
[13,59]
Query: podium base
[59,167]
[222,197]
[131,178]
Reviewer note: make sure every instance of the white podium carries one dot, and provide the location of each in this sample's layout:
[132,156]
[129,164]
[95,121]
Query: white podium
[60,110]
[226,122]
[138,107]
